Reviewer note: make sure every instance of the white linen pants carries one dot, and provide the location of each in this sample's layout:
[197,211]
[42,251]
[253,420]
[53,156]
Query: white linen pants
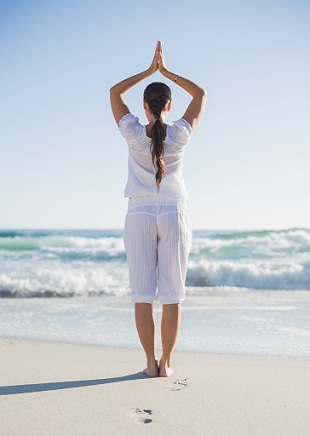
[157,239]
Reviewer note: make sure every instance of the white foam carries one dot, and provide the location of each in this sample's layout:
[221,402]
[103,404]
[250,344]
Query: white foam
[259,275]
[63,281]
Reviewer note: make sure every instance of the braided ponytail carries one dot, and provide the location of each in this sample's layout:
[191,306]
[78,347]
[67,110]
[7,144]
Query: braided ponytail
[157,95]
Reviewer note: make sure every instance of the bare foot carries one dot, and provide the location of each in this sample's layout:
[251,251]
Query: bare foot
[152,369]
[165,370]
[166,373]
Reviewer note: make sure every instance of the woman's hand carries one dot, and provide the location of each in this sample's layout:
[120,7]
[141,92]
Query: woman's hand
[160,57]
[154,65]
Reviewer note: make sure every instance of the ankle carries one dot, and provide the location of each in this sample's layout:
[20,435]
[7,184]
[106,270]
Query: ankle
[164,367]
[151,360]
[164,361]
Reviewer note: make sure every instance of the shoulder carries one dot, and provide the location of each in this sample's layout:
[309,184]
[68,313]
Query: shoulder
[130,127]
[180,132]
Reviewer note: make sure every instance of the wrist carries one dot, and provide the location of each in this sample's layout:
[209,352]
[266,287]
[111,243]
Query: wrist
[170,75]
[150,71]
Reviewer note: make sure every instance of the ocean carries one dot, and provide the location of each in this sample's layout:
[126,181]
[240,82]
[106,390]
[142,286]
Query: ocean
[248,292]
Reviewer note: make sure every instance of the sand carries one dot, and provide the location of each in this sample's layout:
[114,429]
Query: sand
[49,388]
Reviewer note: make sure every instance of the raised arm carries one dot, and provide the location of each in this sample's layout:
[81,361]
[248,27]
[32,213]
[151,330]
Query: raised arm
[118,103]
[196,107]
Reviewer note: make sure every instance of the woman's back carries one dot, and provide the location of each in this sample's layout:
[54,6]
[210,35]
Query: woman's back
[141,169]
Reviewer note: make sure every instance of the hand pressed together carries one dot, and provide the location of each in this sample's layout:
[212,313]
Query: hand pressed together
[158,62]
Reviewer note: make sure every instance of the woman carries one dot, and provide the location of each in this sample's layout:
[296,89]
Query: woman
[157,231]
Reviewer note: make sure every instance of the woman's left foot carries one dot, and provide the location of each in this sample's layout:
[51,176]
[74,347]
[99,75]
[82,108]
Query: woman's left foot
[165,370]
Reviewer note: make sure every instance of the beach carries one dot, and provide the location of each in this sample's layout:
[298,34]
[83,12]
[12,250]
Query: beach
[71,361]
[51,388]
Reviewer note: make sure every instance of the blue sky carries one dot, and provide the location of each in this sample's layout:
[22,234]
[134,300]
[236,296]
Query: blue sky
[63,162]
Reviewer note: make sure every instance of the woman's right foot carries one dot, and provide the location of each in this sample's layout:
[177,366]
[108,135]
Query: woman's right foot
[152,369]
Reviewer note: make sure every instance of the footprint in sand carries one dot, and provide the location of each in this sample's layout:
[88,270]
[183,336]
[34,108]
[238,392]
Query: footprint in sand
[143,415]
[179,384]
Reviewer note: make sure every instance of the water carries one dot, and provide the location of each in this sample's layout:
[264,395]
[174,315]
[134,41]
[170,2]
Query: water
[248,292]
[87,262]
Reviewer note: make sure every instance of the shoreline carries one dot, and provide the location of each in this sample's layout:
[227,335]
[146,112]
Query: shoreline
[53,388]
[246,323]
[138,348]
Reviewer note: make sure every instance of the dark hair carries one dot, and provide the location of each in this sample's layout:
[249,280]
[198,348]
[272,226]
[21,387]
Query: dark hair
[157,95]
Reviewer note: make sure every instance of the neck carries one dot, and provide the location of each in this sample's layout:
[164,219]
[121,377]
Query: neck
[152,122]
[152,119]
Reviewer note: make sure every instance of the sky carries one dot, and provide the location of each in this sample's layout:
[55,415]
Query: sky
[63,162]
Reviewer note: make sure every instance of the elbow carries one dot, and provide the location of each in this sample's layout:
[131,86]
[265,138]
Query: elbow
[204,96]
[204,93]
[201,93]
[115,89]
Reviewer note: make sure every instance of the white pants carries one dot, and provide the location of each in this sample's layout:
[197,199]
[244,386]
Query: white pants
[157,240]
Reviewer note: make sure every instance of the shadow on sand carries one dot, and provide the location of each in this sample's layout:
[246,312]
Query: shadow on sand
[43,387]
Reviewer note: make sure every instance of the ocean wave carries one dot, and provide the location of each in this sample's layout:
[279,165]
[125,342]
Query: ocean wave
[18,243]
[66,246]
[244,244]
[80,262]
[255,275]
[267,242]
[61,282]
[106,249]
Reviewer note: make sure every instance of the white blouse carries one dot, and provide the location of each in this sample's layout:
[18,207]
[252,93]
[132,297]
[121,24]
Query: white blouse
[141,171]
